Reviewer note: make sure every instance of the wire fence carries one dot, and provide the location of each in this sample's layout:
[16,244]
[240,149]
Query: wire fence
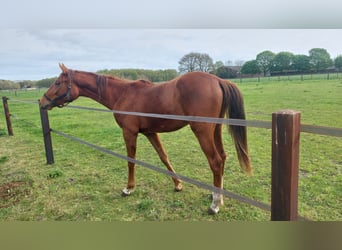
[320,130]
[197,183]
[328,131]
[289,77]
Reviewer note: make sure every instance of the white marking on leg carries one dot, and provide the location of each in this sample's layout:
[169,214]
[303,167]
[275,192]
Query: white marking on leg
[217,202]
[127,191]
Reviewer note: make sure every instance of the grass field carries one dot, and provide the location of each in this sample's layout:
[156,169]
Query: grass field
[84,184]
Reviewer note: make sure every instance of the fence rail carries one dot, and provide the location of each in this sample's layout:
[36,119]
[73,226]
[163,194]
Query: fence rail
[320,130]
[289,77]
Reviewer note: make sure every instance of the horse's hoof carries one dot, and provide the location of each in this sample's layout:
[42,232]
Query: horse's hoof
[213,211]
[123,194]
[126,192]
[178,188]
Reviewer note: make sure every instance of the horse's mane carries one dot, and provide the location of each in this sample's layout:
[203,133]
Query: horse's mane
[101,83]
[113,78]
[102,80]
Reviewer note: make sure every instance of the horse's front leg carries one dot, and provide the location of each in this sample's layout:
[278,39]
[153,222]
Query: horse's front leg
[158,146]
[131,142]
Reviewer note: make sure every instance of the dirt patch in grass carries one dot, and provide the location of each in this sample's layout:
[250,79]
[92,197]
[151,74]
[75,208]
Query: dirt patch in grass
[12,192]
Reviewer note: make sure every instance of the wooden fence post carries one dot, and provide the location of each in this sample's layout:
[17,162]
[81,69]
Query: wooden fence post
[47,135]
[8,116]
[285,165]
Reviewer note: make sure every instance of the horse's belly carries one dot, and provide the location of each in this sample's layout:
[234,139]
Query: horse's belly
[157,125]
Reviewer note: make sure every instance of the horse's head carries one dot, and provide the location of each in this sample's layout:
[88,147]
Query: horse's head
[61,92]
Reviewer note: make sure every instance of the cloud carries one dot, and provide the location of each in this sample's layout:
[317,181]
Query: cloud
[35,53]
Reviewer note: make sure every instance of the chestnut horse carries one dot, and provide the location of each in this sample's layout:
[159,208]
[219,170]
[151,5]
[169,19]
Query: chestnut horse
[192,94]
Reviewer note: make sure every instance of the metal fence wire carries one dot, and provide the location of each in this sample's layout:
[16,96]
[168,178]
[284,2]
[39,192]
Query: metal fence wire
[328,131]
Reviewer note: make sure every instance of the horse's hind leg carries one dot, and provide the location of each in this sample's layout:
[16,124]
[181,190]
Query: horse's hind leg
[156,143]
[219,144]
[206,138]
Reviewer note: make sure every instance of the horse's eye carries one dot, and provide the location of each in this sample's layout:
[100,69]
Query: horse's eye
[57,83]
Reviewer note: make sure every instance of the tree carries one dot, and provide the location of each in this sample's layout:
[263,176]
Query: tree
[188,63]
[226,72]
[320,59]
[282,62]
[7,84]
[205,63]
[338,62]
[218,64]
[301,63]
[46,82]
[250,67]
[195,62]
[264,60]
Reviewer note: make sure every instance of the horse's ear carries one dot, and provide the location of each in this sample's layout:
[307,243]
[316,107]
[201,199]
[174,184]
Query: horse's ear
[63,68]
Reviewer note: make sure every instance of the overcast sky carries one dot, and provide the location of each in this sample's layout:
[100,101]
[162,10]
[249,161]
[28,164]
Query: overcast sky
[35,54]
[89,35]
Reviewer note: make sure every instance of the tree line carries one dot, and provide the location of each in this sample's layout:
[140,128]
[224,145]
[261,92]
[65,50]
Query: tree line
[269,63]
[7,84]
[266,62]
[146,74]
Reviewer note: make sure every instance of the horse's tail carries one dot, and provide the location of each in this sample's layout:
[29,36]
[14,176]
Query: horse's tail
[233,105]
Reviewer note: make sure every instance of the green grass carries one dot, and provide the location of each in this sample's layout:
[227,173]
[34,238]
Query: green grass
[85,184]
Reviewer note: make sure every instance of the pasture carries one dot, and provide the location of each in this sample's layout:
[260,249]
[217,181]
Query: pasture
[84,184]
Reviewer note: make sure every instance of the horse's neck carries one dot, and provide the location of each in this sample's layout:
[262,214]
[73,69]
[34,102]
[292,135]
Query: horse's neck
[104,90]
